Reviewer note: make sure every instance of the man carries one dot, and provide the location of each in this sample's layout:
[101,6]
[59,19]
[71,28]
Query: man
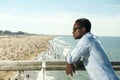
[91,52]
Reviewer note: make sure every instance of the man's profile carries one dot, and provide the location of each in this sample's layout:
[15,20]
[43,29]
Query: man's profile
[90,50]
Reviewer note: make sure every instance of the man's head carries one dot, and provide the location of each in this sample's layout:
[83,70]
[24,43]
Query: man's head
[81,27]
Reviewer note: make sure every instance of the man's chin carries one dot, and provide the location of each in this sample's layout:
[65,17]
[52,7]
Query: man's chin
[76,38]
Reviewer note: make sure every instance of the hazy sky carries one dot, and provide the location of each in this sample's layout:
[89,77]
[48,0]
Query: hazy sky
[58,16]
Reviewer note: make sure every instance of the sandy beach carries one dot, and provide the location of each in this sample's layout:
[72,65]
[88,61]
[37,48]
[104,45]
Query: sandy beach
[21,48]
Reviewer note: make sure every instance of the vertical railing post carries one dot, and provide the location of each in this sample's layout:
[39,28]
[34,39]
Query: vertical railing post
[27,76]
[43,67]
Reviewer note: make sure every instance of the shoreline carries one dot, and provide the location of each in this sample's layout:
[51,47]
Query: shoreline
[21,48]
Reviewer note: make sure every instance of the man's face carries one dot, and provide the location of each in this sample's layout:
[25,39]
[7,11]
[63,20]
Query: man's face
[78,32]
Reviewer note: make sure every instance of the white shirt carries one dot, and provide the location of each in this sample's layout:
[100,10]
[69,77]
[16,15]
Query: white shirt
[89,49]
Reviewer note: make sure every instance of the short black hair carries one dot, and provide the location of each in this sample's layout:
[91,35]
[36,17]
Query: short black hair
[83,22]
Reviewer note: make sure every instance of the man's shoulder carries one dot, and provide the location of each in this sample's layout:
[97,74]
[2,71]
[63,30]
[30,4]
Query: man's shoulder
[84,40]
[87,36]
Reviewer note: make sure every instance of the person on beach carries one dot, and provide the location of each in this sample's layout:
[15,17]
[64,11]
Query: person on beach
[91,52]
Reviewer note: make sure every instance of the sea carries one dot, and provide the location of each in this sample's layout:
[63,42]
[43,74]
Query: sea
[61,45]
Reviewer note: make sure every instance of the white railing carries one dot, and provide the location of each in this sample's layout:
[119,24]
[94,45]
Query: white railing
[45,65]
[37,65]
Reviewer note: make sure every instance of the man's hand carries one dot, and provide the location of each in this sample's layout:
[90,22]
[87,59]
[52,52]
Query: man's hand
[70,69]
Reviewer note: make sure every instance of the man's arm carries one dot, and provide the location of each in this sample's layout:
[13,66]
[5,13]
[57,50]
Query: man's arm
[82,48]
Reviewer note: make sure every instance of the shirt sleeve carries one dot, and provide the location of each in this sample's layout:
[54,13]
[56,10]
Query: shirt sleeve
[81,49]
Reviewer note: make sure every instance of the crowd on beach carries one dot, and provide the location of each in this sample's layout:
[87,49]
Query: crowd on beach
[22,47]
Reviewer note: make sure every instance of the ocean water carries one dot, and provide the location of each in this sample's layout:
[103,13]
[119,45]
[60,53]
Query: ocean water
[62,45]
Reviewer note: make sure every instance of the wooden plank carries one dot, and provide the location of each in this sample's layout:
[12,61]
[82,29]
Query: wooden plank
[115,62]
[26,62]
[20,65]
[37,65]
[19,68]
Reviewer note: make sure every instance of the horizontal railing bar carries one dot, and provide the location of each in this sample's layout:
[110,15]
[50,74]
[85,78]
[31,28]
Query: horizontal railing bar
[26,62]
[19,68]
[37,65]
[115,62]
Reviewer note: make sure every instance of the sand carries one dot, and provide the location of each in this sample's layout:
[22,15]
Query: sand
[21,48]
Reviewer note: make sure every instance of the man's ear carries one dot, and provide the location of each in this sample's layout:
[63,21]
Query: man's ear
[83,29]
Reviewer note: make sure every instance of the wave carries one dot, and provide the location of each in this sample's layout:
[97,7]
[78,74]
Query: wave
[57,50]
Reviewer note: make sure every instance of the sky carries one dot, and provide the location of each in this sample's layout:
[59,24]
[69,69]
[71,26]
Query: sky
[56,17]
